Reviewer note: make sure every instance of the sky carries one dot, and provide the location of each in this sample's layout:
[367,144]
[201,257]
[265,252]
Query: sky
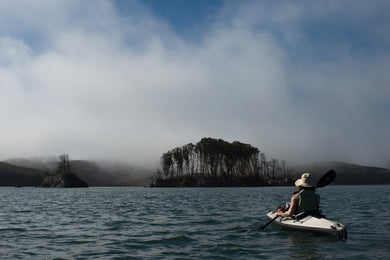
[303,81]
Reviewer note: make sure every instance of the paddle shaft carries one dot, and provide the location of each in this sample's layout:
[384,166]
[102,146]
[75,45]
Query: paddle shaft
[269,222]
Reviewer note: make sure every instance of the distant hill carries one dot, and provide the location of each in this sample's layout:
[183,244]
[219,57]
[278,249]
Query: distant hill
[11,175]
[111,174]
[105,174]
[347,174]
[43,164]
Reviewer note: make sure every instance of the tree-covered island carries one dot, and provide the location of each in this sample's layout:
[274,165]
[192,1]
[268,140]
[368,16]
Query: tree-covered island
[218,163]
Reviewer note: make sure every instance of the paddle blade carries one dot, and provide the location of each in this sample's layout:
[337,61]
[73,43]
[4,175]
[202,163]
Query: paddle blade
[326,179]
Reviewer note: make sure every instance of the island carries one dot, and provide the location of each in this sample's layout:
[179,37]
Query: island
[218,163]
[63,177]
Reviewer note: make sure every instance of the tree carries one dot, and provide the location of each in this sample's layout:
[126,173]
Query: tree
[166,163]
[64,164]
[283,168]
[188,157]
[178,159]
[273,164]
[263,165]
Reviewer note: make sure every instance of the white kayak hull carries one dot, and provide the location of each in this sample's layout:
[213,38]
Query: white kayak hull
[315,225]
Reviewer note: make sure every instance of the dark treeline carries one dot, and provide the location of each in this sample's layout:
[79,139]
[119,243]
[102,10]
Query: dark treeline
[218,158]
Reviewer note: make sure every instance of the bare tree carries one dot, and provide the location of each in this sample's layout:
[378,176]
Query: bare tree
[64,164]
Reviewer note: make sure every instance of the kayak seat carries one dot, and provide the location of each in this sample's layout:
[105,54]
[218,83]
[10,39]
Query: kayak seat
[314,213]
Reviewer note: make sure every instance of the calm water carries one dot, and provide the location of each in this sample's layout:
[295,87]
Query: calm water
[189,223]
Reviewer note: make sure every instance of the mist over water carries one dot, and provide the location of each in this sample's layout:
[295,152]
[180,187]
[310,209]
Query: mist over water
[119,79]
[186,223]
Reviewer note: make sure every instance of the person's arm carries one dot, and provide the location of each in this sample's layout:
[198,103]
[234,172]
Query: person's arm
[291,210]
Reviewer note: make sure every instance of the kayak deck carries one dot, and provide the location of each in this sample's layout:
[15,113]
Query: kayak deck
[312,224]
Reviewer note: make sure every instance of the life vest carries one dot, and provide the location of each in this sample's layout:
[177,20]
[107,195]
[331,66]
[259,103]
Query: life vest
[307,200]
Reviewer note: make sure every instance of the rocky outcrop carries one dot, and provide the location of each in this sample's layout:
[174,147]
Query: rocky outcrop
[63,178]
[63,181]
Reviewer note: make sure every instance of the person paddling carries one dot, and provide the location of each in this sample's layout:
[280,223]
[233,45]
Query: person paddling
[304,199]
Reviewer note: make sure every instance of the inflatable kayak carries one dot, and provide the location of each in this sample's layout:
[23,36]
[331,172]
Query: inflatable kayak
[314,224]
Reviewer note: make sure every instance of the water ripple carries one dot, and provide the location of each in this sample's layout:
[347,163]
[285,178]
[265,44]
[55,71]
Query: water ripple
[138,223]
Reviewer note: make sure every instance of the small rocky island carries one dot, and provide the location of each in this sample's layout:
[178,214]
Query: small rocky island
[218,163]
[63,177]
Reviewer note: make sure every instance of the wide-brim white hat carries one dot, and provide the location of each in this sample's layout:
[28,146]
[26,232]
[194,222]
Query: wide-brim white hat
[304,181]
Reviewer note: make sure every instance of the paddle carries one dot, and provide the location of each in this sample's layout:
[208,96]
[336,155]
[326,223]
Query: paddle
[326,179]
[269,222]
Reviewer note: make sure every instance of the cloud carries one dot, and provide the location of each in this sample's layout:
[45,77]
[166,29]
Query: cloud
[96,83]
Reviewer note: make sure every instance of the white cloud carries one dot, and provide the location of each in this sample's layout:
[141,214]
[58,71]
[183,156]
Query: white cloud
[95,84]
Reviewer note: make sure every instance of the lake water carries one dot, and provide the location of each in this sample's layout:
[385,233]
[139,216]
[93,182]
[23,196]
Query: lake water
[185,223]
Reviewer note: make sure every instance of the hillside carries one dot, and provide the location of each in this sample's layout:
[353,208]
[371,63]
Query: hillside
[11,175]
[111,174]
[348,174]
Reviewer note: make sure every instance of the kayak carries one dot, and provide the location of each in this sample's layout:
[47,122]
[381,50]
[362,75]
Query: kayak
[312,224]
